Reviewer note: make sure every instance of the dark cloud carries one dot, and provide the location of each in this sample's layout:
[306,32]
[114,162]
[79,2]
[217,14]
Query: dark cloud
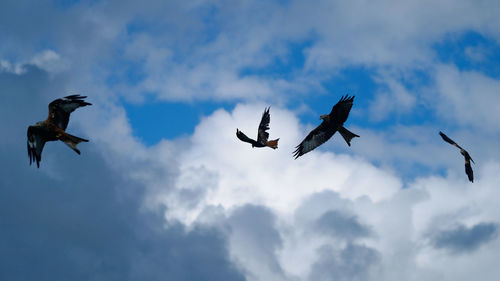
[465,239]
[350,263]
[254,227]
[75,218]
[341,225]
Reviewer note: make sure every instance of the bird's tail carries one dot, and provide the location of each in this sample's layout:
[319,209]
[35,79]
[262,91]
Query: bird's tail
[273,143]
[347,135]
[72,141]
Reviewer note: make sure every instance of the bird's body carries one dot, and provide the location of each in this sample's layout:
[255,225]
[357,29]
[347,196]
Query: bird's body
[468,159]
[53,128]
[262,134]
[332,123]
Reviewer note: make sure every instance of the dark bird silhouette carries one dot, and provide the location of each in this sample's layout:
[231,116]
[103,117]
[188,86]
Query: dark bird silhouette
[262,134]
[468,159]
[53,128]
[332,123]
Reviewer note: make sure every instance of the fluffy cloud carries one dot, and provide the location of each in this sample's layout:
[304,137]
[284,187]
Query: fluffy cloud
[208,206]
[325,208]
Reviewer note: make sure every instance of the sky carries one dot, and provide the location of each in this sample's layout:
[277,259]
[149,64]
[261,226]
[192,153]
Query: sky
[165,191]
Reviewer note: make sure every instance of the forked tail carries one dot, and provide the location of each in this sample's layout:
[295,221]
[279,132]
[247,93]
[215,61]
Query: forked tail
[273,143]
[347,135]
[72,141]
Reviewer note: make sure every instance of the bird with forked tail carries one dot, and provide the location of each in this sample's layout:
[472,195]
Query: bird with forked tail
[53,128]
[332,123]
[262,134]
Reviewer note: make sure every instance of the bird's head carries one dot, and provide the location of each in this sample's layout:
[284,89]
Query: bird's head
[38,124]
[325,117]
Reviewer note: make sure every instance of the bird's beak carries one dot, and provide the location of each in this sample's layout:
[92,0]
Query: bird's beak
[323,116]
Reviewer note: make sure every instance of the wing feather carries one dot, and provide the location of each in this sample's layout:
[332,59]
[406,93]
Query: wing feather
[448,140]
[340,111]
[262,134]
[315,138]
[60,109]
[36,142]
[468,171]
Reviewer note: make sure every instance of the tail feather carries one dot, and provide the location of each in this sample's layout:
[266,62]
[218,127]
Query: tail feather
[273,143]
[72,141]
[347,135]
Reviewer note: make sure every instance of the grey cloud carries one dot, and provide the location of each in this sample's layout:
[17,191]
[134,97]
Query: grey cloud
[461,238]
[254,233]
[341,225]
[76,218]
[353,262]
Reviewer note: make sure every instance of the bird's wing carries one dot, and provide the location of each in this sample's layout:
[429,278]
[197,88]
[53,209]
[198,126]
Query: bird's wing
[448,140]
[60,109]
[467,156]
[36,141]
[314,139]
[244,137]
[341,110]
[468,171]
[262,134]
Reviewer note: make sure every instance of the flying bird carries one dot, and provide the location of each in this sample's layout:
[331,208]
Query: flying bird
[262,134]
[468,159]
[53,128]
[332,123]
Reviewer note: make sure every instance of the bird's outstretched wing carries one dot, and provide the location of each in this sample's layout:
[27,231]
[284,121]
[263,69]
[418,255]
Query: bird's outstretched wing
[448,140]
[244,137]
[468,171]
[315,138]
[60,109]
[341,110]
[262,134]
[36,141]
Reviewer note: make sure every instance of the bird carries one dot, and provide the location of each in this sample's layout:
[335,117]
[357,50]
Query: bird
[332,123]
[262,134]
[53,128]
[468,159]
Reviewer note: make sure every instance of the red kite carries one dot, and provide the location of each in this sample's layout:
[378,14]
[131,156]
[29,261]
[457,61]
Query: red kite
[468,159]
[262,134]
[332,123]
[53,128]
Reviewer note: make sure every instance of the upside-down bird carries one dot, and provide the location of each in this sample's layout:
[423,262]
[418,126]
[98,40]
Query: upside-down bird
[332,123]
[262,134]
[468,159]
[53,128]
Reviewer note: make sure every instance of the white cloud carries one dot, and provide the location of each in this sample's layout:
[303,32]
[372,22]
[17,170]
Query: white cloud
[191,53]
[470,97]
[227,174]
[50,61]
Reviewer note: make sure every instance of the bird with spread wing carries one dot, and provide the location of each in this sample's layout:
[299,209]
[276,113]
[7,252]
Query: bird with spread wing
[332,123]
[53,128]
[262,134]
[468,159]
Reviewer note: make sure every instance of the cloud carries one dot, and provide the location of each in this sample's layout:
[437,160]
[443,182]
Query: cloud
[341,225]
[353,262]
[208,206]
[255,242]
[79,218]
[470,96]
[465,239]
[189,52]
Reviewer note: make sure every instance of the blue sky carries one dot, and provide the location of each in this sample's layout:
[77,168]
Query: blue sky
[165,191]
